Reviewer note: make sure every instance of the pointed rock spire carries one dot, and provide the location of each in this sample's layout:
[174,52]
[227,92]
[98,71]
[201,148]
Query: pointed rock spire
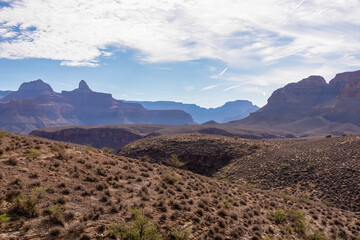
[83,86]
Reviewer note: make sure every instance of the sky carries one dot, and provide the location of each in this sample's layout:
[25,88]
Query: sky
[205,52]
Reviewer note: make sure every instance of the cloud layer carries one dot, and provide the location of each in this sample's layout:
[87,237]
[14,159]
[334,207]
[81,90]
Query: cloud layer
[316,34]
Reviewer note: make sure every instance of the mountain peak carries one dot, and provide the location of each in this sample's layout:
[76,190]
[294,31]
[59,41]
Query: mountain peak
[38,85]
[313,80]
[84,86]
[29,90]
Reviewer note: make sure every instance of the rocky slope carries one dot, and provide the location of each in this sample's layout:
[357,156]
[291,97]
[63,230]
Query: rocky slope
[36,105]
[230,111]
[312,106]
[53,190]
[203,154]
[327,168]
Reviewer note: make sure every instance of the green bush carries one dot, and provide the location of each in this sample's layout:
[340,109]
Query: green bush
[174,161]
[298,219]
[4,218]
[26,204]
[56,212]
[138,229]
[34,153]
[279,216]
[183,235]
[304,198]
[317,235]
[107,150]
[2,133]
[169,178]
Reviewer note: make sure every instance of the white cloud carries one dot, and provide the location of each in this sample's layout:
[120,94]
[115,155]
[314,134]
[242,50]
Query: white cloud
[208,87]
[232,87]
[244,34]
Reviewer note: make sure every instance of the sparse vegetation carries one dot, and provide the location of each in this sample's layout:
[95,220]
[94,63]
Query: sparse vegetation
[180,235]
[82,195]
[107,150]
[279,216]
[139,229]
[55,212]
[174,161]
[4,218]
[2,133]
[170,178]
[26,204]
[34,153]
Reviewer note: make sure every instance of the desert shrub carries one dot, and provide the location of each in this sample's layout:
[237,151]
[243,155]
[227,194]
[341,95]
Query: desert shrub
[286,197]
[56,211]
[328,203]
[54,232]
[1,151]
[266,237]
[298,219]
[304,198]
[253,147]
[145,158]
[60,152]
[26,204]
[174,161]
[180,235]
[107,150]
[317,235]
[285,165]
[169,178]
[2,133]
[4,218]
[34,153]
[222,213]
[279,216]
[11,161]
[138,229]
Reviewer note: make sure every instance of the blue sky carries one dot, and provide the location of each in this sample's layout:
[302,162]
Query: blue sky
[201,51]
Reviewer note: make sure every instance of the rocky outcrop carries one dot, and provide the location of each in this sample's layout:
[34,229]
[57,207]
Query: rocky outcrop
[300,106]
[40,107]
[117,136]
[203,154]
[114,138]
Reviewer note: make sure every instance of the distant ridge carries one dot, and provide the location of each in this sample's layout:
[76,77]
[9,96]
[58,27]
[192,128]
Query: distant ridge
[36,105]
[230,111]
[4,93]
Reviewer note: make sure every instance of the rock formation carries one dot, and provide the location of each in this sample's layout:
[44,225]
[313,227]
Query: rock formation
[36,105]
[311,104]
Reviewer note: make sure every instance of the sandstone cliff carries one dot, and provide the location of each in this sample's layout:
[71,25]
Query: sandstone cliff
[311,105]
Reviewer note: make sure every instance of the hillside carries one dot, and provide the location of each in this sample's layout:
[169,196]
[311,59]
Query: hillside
[327,168]
[36,105]
[53,190]
[230,111]
[312,107]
